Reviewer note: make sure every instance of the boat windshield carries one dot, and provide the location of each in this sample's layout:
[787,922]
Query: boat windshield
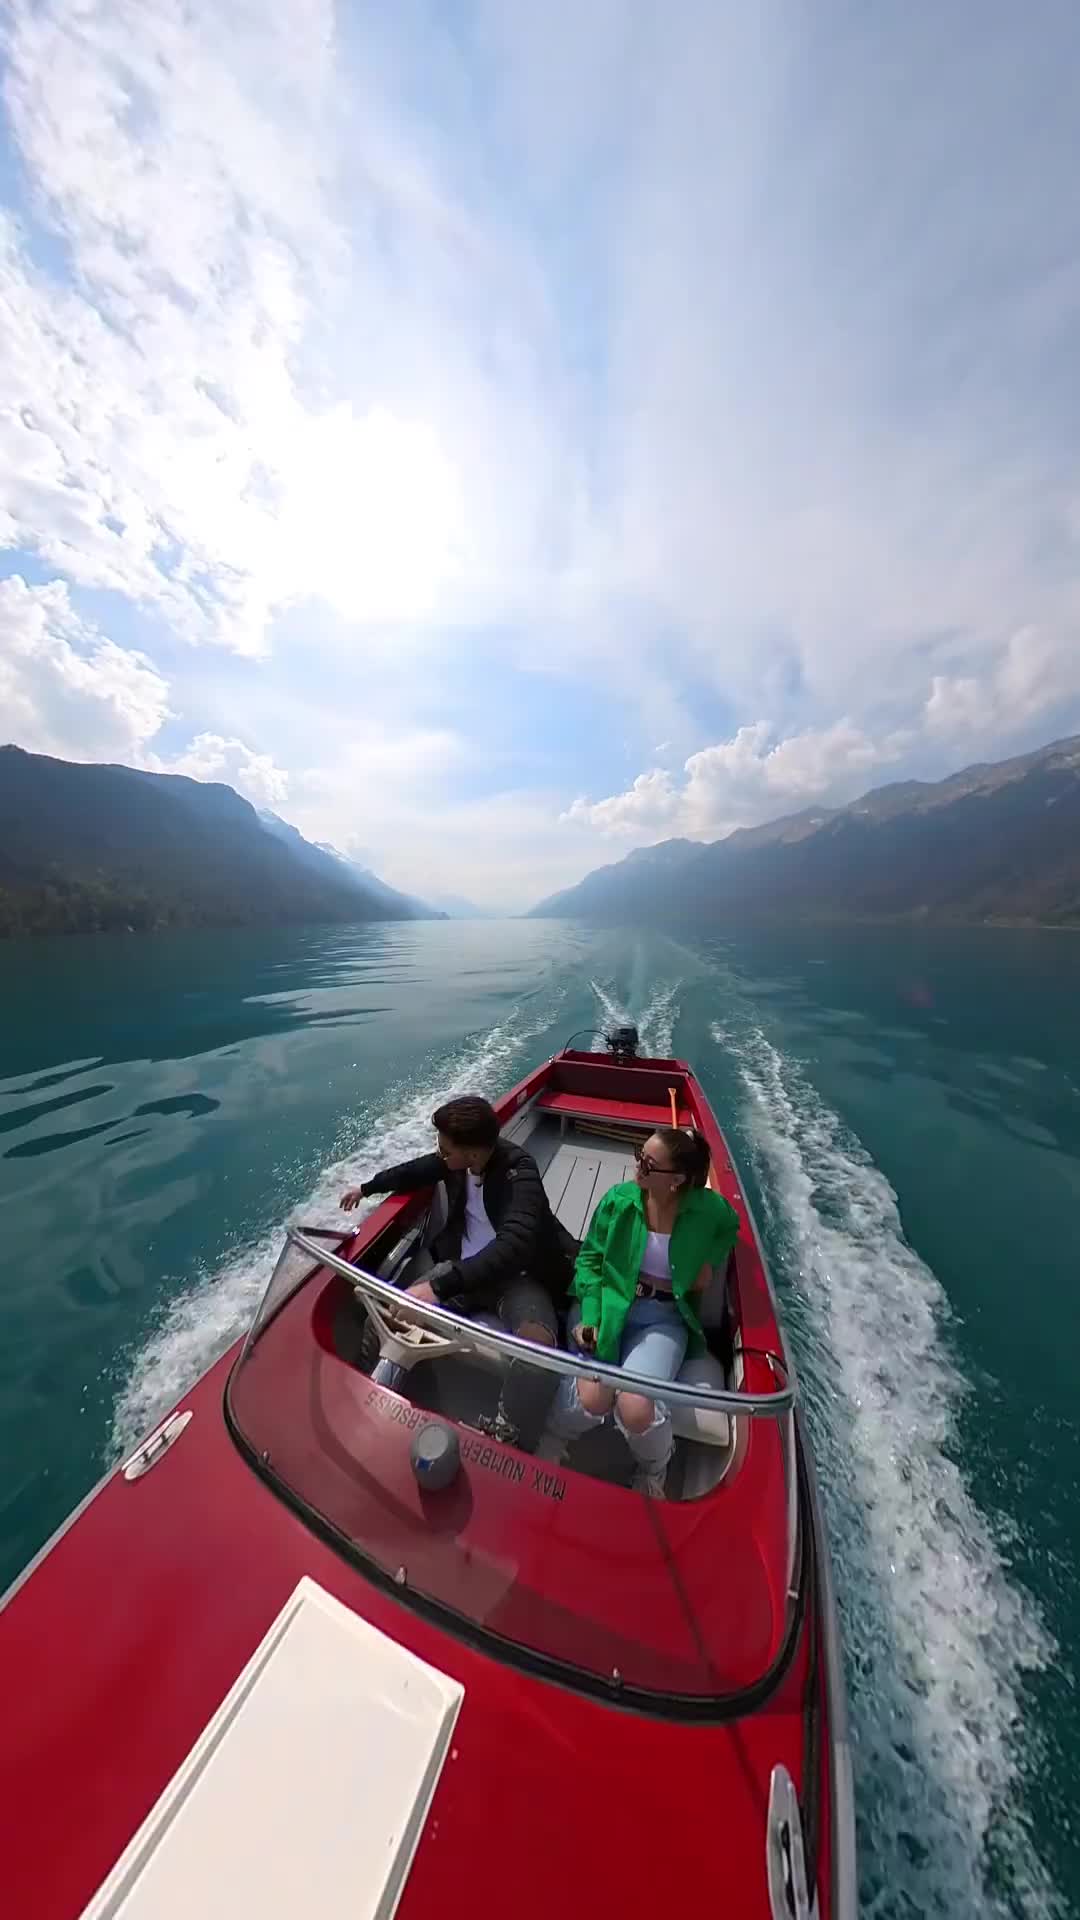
[688,1598]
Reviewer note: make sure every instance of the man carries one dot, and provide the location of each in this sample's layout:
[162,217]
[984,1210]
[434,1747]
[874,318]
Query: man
[502,1249]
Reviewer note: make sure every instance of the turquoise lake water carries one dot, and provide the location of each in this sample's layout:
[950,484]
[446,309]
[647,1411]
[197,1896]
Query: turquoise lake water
[906,1108]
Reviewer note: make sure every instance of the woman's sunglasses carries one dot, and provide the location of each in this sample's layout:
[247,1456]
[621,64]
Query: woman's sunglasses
[648,1166]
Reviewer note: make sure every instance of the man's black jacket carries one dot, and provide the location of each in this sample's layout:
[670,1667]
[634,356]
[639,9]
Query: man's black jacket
[527,1235]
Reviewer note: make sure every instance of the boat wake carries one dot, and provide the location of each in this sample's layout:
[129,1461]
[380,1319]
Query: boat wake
[655,1021]
[612,1010]
[656,1024]
[207,1316]
[937,1637]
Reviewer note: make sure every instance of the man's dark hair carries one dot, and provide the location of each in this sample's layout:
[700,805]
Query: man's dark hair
[468,1121]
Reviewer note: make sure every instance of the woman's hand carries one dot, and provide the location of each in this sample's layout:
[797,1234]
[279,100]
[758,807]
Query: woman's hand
[703,1279]
[585,1337]
[351,1199]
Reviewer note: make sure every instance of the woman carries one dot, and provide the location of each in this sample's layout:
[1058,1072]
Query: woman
[651,1245]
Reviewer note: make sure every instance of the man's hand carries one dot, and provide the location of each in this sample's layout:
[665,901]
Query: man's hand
[585,1337]
[351,1199]
[424,1289]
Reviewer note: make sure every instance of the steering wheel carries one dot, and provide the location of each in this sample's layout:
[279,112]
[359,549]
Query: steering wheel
[401,1342]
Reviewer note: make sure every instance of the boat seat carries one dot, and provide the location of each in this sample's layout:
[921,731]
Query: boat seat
[709,1425]
[634,1113]
[576,1177]
[421,1261]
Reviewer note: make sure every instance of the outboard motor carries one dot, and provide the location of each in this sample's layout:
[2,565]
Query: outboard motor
[622,1042]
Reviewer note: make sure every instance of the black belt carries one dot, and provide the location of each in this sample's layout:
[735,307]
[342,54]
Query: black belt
[643,1291]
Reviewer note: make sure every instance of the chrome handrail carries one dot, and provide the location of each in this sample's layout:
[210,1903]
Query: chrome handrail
[768,1406]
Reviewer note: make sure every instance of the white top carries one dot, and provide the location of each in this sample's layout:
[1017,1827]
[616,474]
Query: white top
[306,1792]
[479,1232]
[656,1259]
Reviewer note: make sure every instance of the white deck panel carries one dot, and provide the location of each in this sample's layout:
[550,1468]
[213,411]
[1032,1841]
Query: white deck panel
[575,1207]
[557,1176]
[578,1170]
[306,1794]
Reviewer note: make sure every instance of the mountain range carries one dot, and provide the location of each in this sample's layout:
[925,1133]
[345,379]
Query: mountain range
[321,858]
[456,907]
[995,843]
[86,849]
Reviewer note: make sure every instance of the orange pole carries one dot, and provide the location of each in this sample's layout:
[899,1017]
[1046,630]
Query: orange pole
[674,1108]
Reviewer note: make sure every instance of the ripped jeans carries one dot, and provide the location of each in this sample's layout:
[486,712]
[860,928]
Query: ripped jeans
[654,1341]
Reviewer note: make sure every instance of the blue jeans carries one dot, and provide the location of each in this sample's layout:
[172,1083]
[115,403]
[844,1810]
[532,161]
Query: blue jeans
[654,1341]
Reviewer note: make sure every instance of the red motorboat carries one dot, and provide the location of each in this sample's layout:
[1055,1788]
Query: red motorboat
[320,1647]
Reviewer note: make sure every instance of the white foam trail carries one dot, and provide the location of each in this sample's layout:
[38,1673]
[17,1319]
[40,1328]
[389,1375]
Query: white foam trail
[656,1025]
[936,1635]
[611,1008]
[203,1320]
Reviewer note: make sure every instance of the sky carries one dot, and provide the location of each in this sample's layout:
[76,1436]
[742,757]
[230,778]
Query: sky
[497,436]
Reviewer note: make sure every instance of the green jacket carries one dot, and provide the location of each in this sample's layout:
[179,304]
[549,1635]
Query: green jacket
[606,1272]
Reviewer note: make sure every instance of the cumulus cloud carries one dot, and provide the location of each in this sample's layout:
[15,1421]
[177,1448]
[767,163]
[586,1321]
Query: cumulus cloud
[244,396]
[68,689]
[157,437]
[1032,673]
[652,802]
[210,757]
[142,400]
[65,688]
[740,782]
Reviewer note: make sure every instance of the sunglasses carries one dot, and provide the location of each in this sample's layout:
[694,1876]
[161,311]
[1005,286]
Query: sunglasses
[648,1166]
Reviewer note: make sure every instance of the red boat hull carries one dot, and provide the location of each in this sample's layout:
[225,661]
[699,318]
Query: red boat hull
[127,1634]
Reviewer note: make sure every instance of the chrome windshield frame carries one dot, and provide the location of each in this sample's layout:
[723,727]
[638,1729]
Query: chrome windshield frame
[483,1339]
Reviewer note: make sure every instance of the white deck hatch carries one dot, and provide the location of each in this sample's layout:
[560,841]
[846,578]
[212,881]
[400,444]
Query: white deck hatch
[306,1794]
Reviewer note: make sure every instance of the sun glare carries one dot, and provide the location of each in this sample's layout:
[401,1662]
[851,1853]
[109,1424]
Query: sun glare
[371,515]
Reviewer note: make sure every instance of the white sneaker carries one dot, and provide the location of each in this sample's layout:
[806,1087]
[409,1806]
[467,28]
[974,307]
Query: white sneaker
[550,1447]
[650,1481]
